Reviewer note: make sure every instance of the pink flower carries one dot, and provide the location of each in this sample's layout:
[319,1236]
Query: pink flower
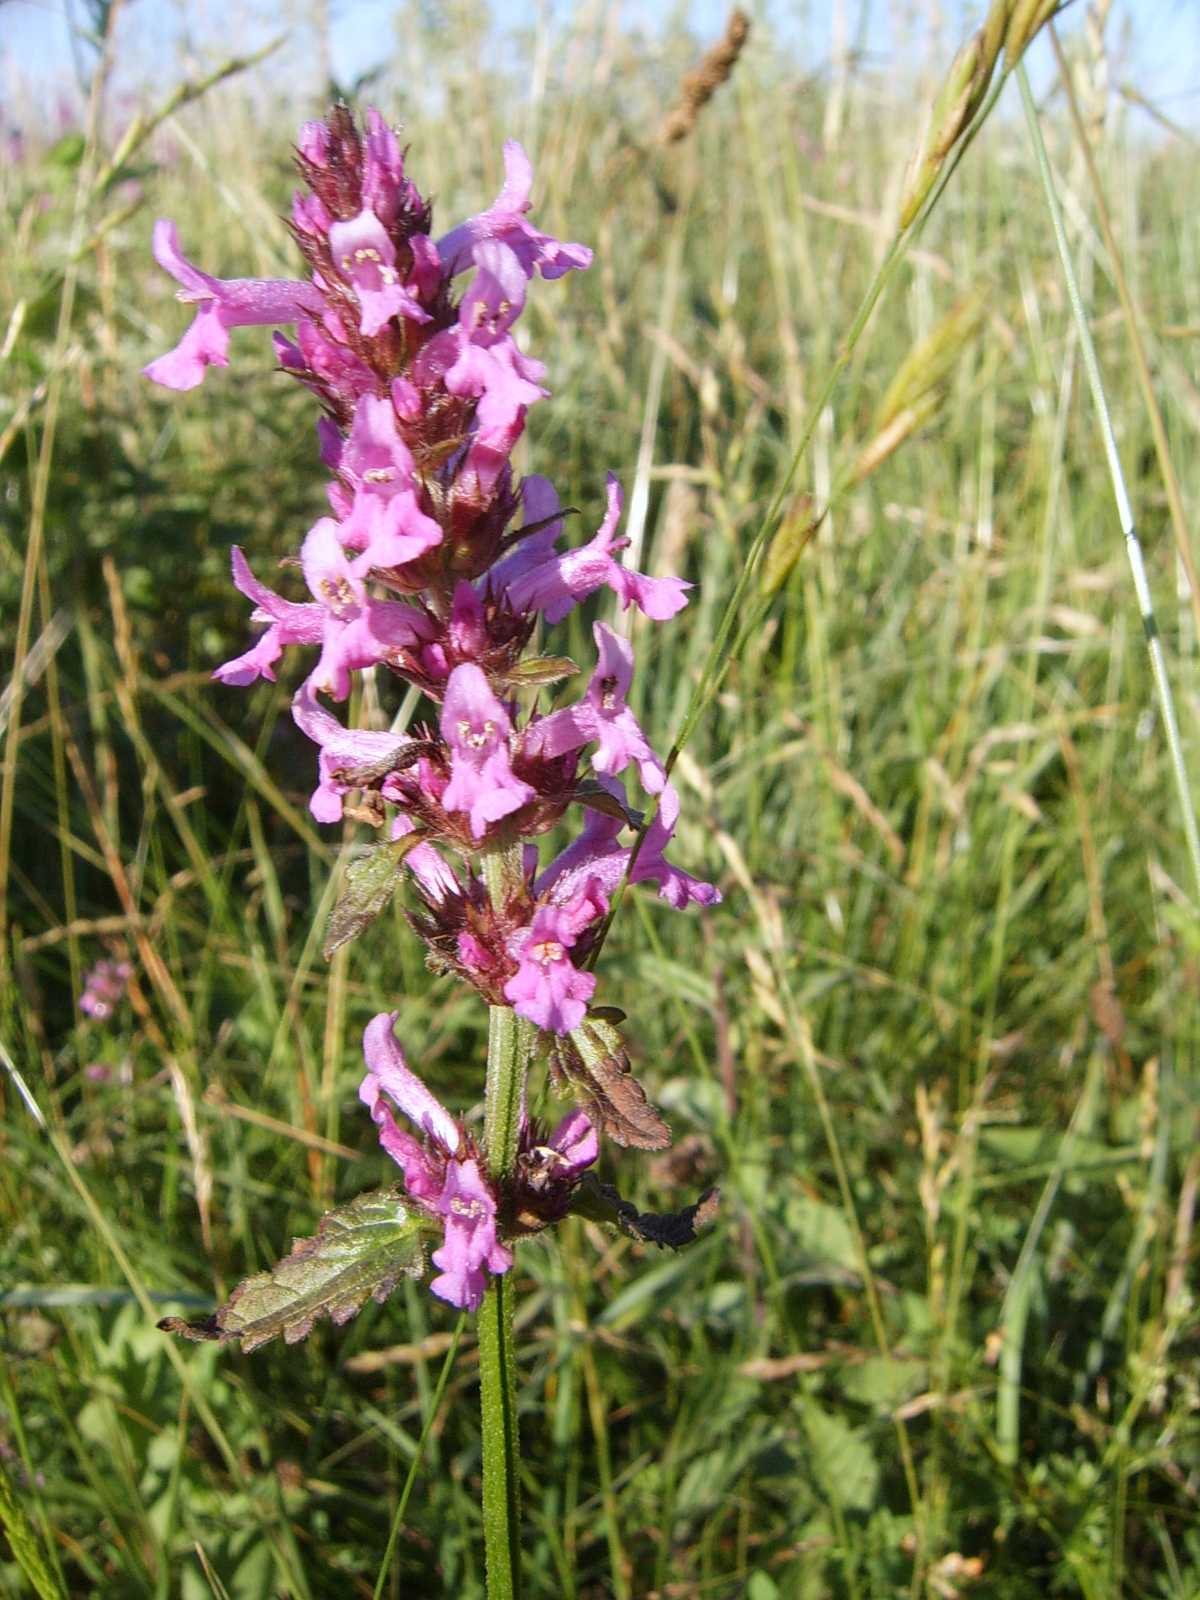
[556,585]
[384,522]
[505,220]
[104,988]
[596,858]
[438,1174]
[342,749]
[470,1243]
[477,728]
[223,303]
[548,988]
[366,258]
[575,1144]
[353,629]
[288,623]
[604,717]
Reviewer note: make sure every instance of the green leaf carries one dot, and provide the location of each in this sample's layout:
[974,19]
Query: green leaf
[820,1232]
[539,670]
[885,1382]
[369,885]
[846,1470]
[360,1249]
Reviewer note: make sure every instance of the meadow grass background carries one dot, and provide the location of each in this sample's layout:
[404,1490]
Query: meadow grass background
[932,787]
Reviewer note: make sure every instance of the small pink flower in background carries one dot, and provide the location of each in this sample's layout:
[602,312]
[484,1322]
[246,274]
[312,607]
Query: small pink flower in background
[104,988]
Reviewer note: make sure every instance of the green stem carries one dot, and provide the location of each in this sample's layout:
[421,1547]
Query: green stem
[507,1056]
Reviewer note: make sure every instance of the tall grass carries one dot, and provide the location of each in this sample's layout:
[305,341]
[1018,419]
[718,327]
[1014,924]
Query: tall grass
[958,914]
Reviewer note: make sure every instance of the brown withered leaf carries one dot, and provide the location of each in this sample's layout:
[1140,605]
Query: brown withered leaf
[670,1230]
[360,1250]
[199,1331]
[404,753]
[1107,1013]
[593,1060]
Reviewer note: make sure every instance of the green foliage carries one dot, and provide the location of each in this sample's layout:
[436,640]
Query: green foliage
[929,787]
[368,885]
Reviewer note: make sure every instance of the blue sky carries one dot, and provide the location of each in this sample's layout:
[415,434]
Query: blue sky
[1157,41]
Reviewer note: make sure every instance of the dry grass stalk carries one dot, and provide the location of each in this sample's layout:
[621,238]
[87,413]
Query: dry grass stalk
[700,85]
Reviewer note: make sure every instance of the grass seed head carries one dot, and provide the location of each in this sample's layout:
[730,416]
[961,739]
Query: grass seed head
[699,86]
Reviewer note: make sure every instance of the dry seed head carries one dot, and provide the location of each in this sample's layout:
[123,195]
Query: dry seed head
[995,27]
[699,86]
[1027,18]
[1010,25]
[889,439]
[790,541]
[918,391]
[930,361]
[957,102]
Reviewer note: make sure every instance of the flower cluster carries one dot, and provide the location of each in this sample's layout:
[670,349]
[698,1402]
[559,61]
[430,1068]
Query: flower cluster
[104,988]
[437,564]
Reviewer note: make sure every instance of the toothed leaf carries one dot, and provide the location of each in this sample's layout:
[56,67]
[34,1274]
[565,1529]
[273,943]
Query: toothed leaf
[369,884]
[360,1250]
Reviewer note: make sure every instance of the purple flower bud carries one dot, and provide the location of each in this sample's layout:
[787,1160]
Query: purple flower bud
[313,143]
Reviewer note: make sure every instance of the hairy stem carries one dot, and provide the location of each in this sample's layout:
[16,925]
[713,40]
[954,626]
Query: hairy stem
[507,1055]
